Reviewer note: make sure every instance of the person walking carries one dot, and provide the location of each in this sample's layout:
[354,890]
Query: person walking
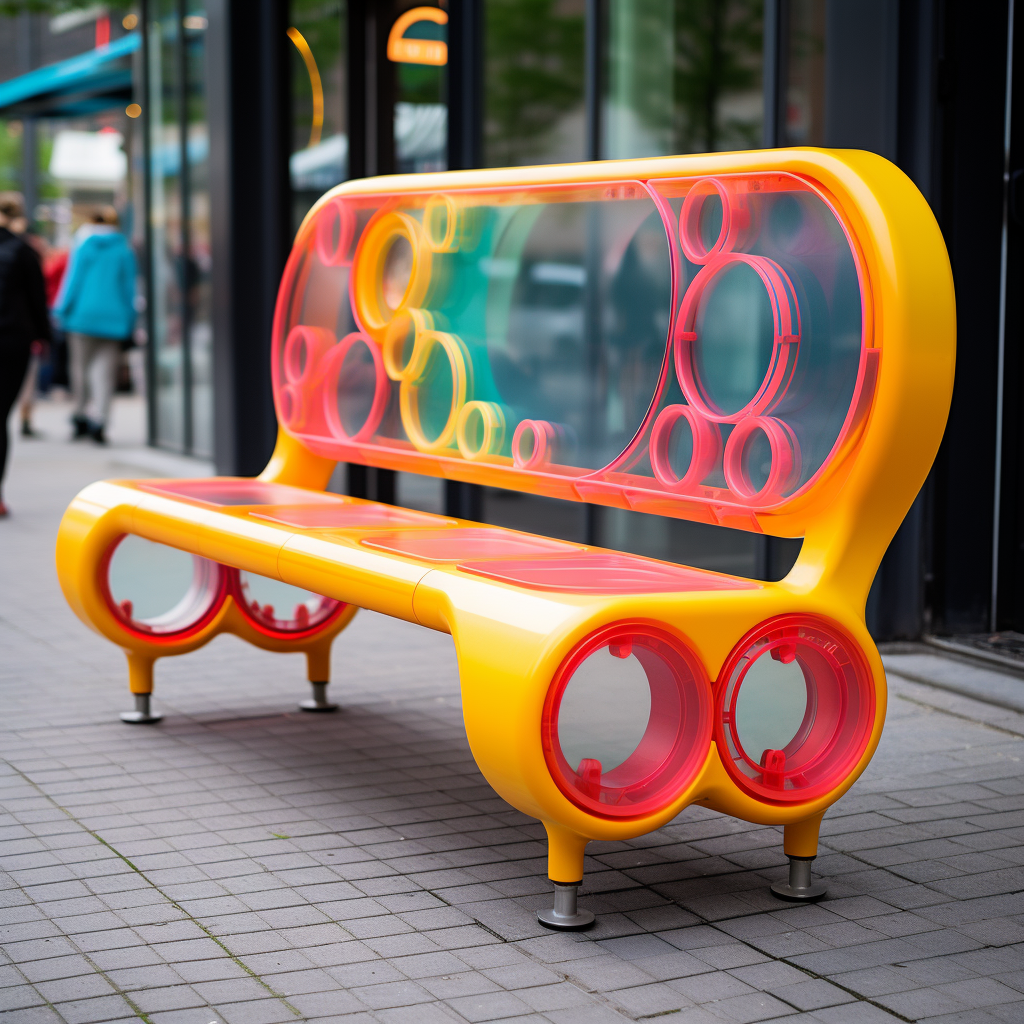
[97,309]
[23,316]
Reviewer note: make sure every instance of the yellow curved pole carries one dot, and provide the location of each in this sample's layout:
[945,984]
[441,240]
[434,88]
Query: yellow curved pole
[314,81]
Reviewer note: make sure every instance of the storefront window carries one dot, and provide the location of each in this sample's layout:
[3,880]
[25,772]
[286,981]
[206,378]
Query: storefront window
[167,389]
[682,76]
[198,312]
[319,144]
[182,336]
[533,81]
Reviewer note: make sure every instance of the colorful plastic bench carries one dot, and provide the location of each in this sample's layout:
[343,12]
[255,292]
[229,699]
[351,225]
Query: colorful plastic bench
[762,341]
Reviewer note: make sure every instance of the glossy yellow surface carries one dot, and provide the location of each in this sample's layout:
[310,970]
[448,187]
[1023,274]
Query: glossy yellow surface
[511,640]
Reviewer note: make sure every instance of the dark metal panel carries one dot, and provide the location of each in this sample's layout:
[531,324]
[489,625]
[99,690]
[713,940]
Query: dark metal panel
[465,84]
[248,78]
[143,85]
[1009,612]
[774,72]
[861,75]
[972,81]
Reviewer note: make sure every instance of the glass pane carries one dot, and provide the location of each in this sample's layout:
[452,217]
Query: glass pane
[533,82]
[198,287]
[319,143]
[682,76]
[169,259]
[604,711]
[805,64]
[770,706]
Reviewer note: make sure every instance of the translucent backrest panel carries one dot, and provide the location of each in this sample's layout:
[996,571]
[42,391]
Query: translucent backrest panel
[671,345]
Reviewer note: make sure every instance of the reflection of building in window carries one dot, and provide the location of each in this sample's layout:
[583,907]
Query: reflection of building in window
[805,63]
[533,81]
[683,76]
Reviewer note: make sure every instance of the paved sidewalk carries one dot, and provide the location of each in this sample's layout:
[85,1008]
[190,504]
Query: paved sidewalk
[245,863]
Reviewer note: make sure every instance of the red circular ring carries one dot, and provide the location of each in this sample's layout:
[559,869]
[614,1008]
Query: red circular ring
[129,625]
[707,447]
[670,754]
[234,588]
[785,337]
[335,216]
[785,449]
[838,720]
[544,435]
[381,389]
[736,218]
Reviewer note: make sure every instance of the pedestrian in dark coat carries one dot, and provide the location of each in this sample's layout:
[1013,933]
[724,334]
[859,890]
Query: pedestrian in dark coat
[23,316]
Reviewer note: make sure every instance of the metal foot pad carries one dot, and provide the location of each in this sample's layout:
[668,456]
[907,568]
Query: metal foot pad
[799,888]
[142,715]
[319,701]
[565,915]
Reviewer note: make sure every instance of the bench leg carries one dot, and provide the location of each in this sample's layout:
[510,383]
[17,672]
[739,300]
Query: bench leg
[318,663]
[565,860]
[801,846]
[140,682]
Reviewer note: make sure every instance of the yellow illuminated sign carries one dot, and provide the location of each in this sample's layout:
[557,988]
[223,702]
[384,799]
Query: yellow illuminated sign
[417,51]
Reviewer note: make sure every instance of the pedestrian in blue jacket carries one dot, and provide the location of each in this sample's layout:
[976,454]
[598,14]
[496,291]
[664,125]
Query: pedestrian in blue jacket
[97,309]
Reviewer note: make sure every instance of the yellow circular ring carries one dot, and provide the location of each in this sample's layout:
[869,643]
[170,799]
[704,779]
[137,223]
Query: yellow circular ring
[408,394]
[494,430]
[448,241]
[368,270]
[392,347]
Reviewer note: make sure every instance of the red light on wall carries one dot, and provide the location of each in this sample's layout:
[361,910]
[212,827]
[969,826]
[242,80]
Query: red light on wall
[103,31]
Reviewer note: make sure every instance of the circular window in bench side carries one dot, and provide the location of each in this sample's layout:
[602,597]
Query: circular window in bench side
[627,720]
[278,608]
[158,591]
[796,706]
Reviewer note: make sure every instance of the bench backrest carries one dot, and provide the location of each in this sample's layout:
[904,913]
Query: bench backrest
[701,337]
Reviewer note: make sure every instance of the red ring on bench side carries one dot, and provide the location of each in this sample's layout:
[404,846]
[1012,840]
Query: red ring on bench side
[218,596]
[678,734]
[234,588]
[837,721]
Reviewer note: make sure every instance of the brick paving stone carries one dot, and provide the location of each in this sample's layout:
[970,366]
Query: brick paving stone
[358,868]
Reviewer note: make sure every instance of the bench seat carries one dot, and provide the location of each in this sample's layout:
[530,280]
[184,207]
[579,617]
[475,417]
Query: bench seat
[376,556]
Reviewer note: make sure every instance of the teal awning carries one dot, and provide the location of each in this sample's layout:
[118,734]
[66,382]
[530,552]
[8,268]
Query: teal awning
[79,85]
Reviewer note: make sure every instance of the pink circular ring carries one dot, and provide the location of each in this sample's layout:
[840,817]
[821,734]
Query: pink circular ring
[291,405]
[543,436]
[785,338]
[315,342]
[381,389]
[736,218]
[335,229]
[785,451]
[707,447]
